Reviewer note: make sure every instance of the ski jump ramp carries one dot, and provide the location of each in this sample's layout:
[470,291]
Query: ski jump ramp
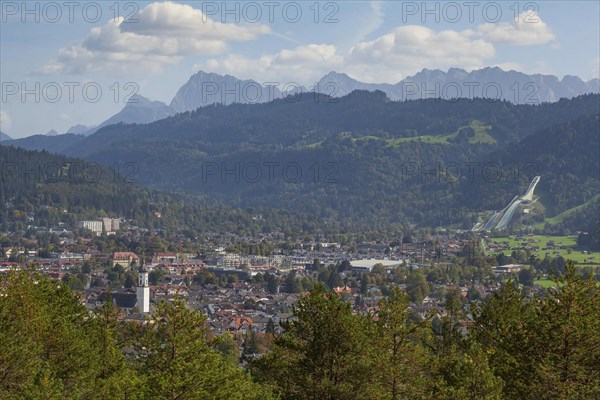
[500,220]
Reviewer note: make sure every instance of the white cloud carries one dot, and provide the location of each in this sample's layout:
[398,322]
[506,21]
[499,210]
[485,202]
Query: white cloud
[408,49]
[164,33]
[305,64]
[5,121]
[181,21]
[389,58]
[527,30]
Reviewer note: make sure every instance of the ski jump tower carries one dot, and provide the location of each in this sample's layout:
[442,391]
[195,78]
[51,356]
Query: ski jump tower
[529,194]
[500,220]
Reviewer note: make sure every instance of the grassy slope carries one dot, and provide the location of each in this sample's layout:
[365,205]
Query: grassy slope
[545,283]
[561,246]
[560,217]
[482,136]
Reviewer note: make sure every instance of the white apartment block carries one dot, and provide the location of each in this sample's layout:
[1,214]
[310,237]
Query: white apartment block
[94,226]
[230,260]
[111,224]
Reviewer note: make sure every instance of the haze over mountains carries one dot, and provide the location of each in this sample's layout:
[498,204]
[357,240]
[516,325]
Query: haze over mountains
[208,88]
[205,88]
[139,110]
[519,88]
[516,87]
[4,137]
[351,142]
[361,157]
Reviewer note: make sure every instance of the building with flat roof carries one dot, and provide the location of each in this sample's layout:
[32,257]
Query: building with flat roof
[508,268]
[94,226]
[111,224]
[367,265]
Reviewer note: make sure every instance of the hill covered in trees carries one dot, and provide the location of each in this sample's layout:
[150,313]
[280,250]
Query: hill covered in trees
[44,189]
[368,160]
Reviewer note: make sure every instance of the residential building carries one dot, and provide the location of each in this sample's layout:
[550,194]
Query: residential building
[94,226]
[123,258]
[508,268]
[229,260]
[111,224]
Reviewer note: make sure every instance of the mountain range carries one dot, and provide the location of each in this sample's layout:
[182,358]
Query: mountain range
[209,88]
[139,110]
[494,83]
[205,88]
[4,137]
[363,157]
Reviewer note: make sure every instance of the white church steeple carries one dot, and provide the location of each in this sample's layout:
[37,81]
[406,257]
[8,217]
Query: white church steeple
[143,290]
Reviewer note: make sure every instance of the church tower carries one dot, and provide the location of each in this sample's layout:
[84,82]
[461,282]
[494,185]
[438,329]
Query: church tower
[143,290]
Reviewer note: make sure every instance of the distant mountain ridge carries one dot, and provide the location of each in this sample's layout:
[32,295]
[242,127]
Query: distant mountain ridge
[4,137]
[78,129]
[139,110]
[490,82]
[53,144]
[353,154]
[206,88]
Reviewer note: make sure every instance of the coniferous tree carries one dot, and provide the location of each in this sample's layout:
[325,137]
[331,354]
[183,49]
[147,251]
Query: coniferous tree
[178,363]
[403,364]
[544,347]
[323,354]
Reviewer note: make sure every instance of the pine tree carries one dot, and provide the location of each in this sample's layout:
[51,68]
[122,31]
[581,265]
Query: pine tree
[117,379]
[402,367]
[227,346]
[464,373]
[50,345]
[250,343]
[322,354]
[544,347]
[270,329]
[178,363]
[460,366]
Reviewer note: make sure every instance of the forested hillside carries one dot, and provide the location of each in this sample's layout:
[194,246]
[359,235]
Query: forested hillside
[566,156]
[43,189]
[310,118]
[367,160]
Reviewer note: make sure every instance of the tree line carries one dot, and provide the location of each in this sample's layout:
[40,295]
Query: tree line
[512,345]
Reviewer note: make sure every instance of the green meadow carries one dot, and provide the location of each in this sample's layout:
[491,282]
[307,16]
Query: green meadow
[482,135]
[564,246]
[560,217]
[545,283]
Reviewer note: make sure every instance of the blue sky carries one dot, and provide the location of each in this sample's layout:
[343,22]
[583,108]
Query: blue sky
[55,50]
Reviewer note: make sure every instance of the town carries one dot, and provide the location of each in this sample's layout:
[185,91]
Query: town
[247,284]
